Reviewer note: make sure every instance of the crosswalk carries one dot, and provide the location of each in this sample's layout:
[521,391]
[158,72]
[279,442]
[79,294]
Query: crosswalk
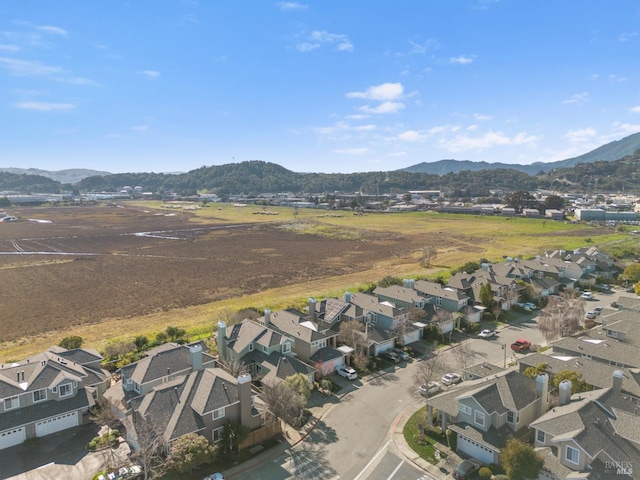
[306,465]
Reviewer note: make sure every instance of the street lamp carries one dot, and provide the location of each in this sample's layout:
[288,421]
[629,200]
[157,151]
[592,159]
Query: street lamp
[504,348]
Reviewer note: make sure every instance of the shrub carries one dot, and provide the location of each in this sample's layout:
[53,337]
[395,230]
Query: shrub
[485,473]
[452,440]
[326,385]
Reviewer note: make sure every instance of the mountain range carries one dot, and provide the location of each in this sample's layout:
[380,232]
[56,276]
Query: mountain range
[608,152]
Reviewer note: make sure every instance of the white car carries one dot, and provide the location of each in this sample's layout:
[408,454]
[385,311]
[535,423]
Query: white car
[487,333]
[450,378]
[587,296]
[347,372]
[530,306]
[590,315]
[430,388]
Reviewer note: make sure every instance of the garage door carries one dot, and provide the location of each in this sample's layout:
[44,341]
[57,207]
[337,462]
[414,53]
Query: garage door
[480,452]
[411,337]
[9,438]
[55,424]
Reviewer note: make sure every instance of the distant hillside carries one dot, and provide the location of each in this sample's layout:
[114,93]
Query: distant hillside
[608,152]
[72,175]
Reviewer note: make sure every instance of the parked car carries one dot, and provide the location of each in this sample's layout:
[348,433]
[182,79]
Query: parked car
[520,345]
[466,470]
[450,379]
[530,306]
[587,296]
[487,333]
[615,304]
[597,310]
[403,355]
[590,315]
[429,389]
[347,372]
[391,356]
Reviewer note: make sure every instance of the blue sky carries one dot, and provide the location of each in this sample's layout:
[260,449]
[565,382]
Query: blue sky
[317,86]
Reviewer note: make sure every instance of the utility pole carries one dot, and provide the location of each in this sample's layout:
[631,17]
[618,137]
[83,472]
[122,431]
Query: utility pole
[504,349]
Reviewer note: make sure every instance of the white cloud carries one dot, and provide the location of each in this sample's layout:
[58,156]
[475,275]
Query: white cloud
[412,136]
[625,37]
[338,127]
[365,128]
[383,92]
[626,128]
[577,99]
[488,140]
[461,60]
[471,128]
[357,116]
[398,154]
[53,30]
[481,117]
[140,128]
[150,73]
[288,6]
[635,109]
[8,48]
[617,79]
[45,106]
[27,68]
[319,38]
[383,108]
[582,135]
[77,81]
[352,151]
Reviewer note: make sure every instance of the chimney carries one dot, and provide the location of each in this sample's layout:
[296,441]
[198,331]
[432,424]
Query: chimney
[564,392]
[347,297]
[168,371]
[312,309]
[542,390]
[195,355]
[617,380]
[485,267]
[267,316]
[244,394]
[220,340]
[406,283]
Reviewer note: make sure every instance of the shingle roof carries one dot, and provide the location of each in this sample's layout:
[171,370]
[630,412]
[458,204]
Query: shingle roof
[438,290]
[404,294]
[290,322]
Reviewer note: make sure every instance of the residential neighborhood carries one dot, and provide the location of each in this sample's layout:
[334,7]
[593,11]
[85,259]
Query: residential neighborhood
[177,389]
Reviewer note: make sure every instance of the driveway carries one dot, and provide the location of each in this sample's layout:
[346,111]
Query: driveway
[60,455]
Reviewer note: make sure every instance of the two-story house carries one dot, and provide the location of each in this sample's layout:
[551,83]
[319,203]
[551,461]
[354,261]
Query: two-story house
[591,435]
[484,413]
[177,389]
[48,392]
[266,353]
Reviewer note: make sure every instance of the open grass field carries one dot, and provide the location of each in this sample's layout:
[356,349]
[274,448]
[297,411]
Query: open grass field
[108,273]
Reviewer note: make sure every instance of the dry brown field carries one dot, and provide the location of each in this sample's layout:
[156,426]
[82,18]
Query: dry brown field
[111,272]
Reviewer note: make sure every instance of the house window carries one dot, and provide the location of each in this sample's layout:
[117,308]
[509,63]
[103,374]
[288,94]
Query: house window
[612,333]
[512,417]
[479,418]
[438,301]
[39,395]
[541,436]
[218,413]
[65,390]
[572,455]
[216,435]
[464,408]
[11,403]
[286,347]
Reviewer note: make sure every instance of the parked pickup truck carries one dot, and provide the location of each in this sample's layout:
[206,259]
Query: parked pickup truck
[520,345]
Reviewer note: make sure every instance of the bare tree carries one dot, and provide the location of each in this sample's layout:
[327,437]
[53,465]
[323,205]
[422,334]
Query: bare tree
[463,354]
[234,366]
[405,324]
[350,333]
[283,402]
[439,318]
[426,255]
[429,371]
[561,317]
[151,448]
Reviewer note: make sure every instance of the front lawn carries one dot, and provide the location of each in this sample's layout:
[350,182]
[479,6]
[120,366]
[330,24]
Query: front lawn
[423,439]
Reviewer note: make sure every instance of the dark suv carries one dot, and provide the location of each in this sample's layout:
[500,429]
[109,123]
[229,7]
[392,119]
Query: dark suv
[465,470]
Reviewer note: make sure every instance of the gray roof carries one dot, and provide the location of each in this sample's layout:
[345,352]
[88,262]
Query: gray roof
[370,303]
[247,332]
[294,324]
[160,361]
[435,289]
[600,420]
[326,354]
[495,439]
[397,292]
[481,370]
[282,366]
[33,413]
[595,373]
[598,345]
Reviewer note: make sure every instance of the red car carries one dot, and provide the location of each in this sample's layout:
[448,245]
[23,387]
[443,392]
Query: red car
[520,345]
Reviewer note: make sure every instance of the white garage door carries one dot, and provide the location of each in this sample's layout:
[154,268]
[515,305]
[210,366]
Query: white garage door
[411,337]
[55,424]
[480,452]
[9,438]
